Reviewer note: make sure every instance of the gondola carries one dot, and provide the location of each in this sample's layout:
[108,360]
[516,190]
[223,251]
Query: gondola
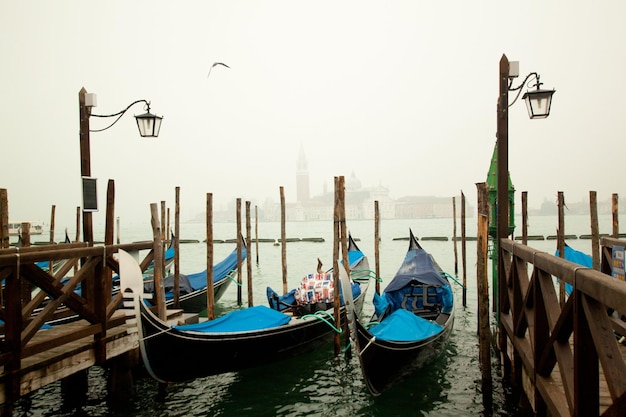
[238,340]
[412,322]
[192,287]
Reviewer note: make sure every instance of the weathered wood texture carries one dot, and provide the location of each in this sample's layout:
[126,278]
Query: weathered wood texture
[572,363]
[53,298]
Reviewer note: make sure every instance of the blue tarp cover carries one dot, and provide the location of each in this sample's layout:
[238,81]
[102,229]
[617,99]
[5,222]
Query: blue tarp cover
[578,257]
[354,257]
[417,265]
[404,326]
[220,270]
[252,318]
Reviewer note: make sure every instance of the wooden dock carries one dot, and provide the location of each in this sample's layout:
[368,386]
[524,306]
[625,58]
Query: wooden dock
[562,350]
[64,359]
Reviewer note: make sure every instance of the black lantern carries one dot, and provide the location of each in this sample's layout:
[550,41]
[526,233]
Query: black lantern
[149,124]
[538,103]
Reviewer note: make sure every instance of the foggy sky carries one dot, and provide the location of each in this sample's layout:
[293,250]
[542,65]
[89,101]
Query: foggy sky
[402,93]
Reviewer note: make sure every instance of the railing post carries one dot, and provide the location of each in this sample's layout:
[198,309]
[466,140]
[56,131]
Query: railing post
[586,367]
[13,330]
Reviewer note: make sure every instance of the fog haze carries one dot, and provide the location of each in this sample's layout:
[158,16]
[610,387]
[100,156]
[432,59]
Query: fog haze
[402,93]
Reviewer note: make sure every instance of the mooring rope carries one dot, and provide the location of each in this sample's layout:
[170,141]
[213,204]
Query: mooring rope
[155,334]
[233,279]
[318,314]
[445,274]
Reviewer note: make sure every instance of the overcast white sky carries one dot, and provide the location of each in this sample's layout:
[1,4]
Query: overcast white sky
[402,93]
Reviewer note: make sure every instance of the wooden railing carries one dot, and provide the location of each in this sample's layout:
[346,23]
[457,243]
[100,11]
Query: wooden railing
[563,357]
[32,297]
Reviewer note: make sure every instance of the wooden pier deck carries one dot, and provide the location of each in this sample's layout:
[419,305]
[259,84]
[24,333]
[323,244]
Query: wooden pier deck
[64,359]
[562,350]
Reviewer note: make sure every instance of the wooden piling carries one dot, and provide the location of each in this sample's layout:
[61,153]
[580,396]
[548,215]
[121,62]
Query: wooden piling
[595,234]
[561,242]
[4,219]
[615,211]
[239,254]
[463,249]
[210,311]
[256,232]
[377,246]
[177,247]
[52,227]
[157,248]
[283,238]
[77,239]
[482,282]
[164,231]
[249,258]
[525,217]
[336,237]
[456,256]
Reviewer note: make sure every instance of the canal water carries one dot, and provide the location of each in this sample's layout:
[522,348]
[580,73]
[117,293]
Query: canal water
[318,383]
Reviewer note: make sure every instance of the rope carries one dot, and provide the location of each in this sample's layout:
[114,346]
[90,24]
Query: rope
[318,314]
[156,334]
[445,274]
[233,279]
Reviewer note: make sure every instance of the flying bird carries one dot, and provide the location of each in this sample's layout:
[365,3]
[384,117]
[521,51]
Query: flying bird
[215,64]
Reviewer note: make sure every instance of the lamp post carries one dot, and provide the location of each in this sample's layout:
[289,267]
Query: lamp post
[538,103]
[149,126]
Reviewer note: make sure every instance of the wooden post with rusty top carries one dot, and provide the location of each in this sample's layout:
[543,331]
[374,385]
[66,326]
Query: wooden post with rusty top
[283,238]
[248,257]
[210,311]
[482,282]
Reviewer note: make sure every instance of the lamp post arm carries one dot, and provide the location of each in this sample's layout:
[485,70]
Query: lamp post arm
[519,87]
[119,114]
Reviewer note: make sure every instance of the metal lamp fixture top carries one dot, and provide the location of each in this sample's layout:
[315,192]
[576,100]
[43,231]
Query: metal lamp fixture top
[538,101]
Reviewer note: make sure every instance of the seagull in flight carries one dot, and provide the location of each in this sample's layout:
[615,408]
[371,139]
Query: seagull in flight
[215,64]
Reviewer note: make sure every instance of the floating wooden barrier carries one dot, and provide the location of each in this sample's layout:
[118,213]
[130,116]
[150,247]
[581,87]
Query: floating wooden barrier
[531,237]
[438,238]
[591,236]
[567,237]
[313,239]
[467,238]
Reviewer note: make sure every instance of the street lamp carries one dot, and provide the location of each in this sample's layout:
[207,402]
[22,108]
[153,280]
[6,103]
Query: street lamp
[538,103]
[149,126]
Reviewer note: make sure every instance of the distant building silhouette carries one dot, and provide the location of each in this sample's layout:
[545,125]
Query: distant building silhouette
[359,202]
[302,177]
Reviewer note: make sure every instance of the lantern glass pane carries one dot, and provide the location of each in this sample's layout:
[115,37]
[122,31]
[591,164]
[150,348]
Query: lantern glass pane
[538,103]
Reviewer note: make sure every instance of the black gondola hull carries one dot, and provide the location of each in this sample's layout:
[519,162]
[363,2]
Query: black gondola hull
[175,356]
[385,363]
